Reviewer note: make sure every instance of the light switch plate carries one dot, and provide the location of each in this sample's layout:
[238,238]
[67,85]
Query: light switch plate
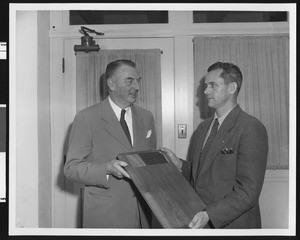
[182,129]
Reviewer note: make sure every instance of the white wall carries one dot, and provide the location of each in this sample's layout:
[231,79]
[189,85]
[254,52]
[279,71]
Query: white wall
[25,105]
[274,199]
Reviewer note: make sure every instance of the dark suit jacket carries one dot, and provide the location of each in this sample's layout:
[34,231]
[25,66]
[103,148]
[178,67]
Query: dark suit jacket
[96,138]
[230,183]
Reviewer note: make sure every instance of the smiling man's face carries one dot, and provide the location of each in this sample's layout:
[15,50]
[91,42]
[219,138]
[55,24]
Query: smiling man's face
[124,85]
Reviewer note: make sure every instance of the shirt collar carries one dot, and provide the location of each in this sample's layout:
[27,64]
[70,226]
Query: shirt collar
[117,110]
[222,118]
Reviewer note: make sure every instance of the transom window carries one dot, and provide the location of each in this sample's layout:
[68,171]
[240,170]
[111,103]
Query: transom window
[238,16]
[118,17]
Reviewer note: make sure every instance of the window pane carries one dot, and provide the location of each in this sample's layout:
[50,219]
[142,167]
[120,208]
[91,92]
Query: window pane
[118,17]
[238,16]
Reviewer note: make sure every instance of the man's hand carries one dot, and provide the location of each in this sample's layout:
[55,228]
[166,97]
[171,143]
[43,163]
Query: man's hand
[173,157]
[115,168]
[199,220]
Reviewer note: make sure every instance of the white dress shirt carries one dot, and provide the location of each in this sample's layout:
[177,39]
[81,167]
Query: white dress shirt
[128,116]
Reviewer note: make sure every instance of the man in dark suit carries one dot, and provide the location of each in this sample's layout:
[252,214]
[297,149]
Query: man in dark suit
[227,157]
[97,137]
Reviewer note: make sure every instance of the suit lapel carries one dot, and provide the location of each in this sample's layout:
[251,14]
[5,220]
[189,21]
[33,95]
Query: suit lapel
[220,140]
[137,126]
[198,145]
[112,124]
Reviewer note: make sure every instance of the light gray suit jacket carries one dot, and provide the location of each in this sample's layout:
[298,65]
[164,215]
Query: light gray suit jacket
[96,138]
[230,181]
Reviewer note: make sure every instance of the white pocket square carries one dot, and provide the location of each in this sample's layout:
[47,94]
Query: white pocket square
[149,133]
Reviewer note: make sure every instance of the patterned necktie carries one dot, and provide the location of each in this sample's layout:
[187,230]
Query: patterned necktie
[124,125]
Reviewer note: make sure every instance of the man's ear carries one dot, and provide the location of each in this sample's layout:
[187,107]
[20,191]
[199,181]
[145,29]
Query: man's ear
[111,84]
[232,87]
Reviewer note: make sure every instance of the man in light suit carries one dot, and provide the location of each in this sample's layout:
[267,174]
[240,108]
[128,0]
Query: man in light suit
[227,158]
[97,137]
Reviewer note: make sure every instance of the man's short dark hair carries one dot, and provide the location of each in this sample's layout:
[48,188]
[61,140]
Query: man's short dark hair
[230,73]
[113,66]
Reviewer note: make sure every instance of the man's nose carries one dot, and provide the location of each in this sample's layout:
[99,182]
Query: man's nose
[206,90]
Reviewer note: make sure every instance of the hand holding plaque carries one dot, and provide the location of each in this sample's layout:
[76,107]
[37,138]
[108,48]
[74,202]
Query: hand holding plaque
[173,157]
[171,198]
[115,168]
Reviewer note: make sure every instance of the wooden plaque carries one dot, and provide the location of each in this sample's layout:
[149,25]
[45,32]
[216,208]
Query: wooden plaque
[171,198]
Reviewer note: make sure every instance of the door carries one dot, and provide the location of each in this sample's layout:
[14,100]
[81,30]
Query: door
[66,201]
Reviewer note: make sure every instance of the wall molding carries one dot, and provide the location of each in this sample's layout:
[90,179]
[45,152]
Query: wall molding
[168,31]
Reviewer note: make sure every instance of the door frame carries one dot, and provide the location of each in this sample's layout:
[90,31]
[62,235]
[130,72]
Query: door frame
[66,203]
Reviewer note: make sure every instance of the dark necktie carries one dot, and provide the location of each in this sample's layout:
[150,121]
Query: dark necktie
[206,147]
[124,125]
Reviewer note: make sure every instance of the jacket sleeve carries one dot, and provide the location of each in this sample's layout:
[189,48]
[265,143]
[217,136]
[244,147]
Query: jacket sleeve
[77,168]
[250,171]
